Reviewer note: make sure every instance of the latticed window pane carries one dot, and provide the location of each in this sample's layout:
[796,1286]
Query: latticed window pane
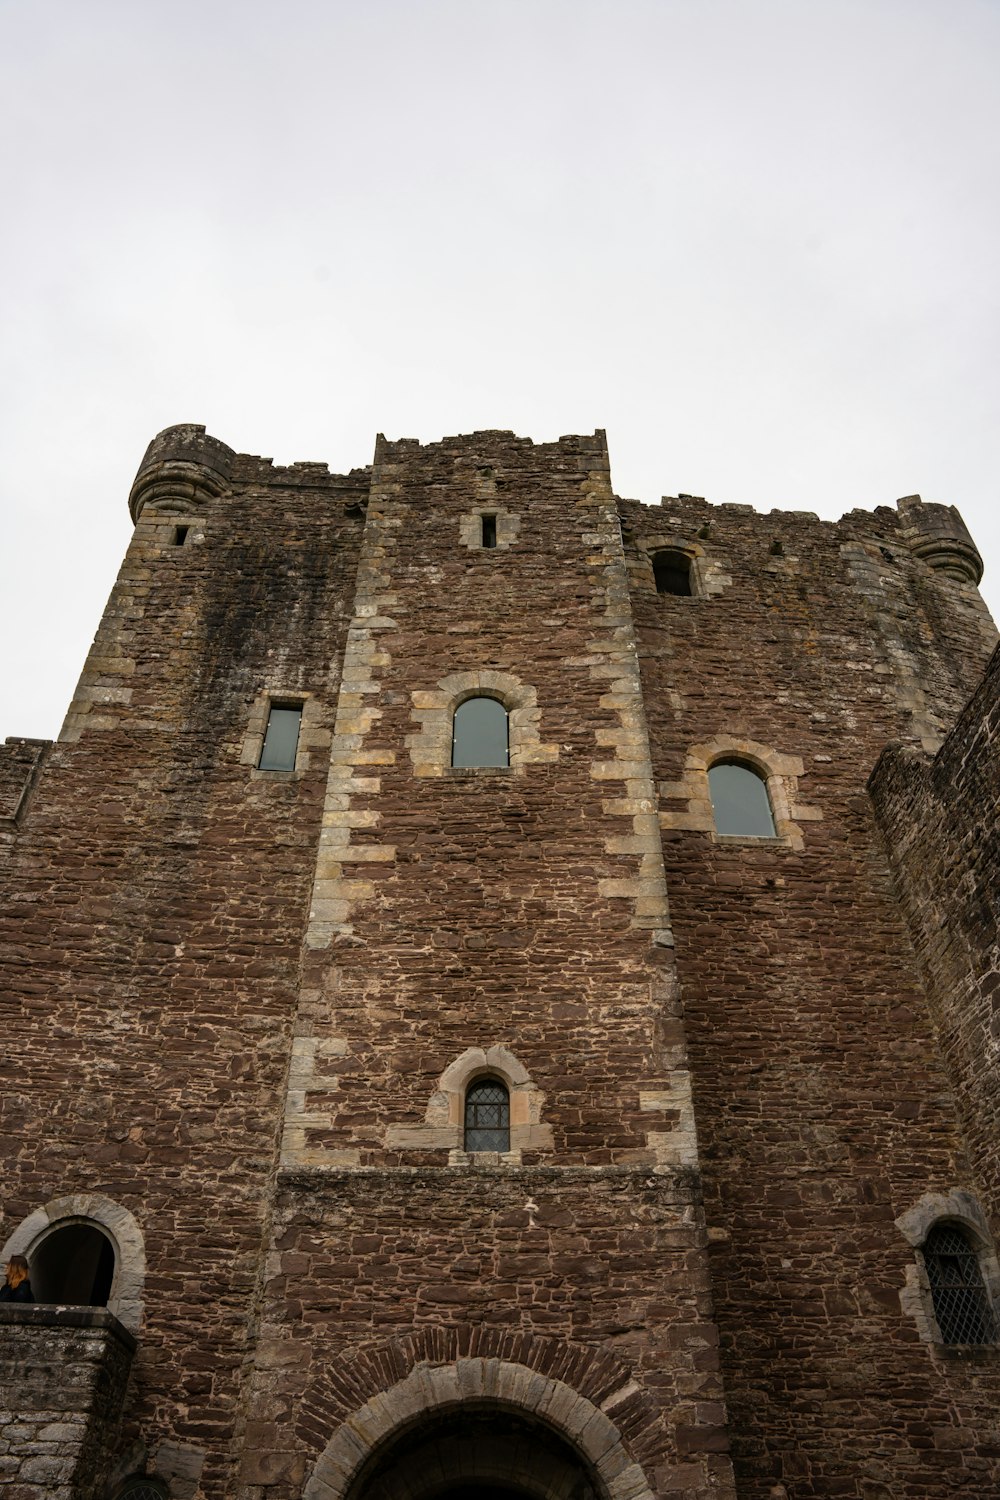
[140,1489]
[487,1117]
[961,1305]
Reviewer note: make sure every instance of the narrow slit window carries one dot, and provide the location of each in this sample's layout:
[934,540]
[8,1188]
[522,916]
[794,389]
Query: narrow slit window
[480,734]
[961,1304]
[489,531]
[487,1116]
[740,804]
[180,535]
[672,573]
[281,739]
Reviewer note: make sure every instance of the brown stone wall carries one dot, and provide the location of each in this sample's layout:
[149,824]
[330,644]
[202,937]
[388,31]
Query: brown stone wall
[152,911]
[242,1008]
[515,914]
[942,827]
[596,1277]
[20,763]
[63,1373]
[822,1102]
[513,907]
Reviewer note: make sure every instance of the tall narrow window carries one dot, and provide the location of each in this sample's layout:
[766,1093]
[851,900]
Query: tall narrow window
[180,535]
[489,531]
[740,803]
[672,573]
[487,1116]
[479,734]
[281,740]
[961,1304]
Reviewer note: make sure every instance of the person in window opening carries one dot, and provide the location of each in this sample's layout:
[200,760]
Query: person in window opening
[16,1287]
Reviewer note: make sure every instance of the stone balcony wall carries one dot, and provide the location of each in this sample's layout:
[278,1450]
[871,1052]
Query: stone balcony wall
[63,1373]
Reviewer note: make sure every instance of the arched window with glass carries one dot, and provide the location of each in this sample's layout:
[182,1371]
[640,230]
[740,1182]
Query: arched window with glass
[487,1116]
[958,1291]
[480,734]
[741,806]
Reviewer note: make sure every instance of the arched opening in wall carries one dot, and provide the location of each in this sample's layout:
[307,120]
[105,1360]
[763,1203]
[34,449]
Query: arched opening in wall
[672,573]
[487,1116]
[958,1291]
[740,803]
[74,1265]
[477,1452]
[480,734]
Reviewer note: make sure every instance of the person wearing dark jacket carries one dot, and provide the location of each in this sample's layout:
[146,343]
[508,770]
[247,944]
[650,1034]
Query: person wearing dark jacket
[16,1286]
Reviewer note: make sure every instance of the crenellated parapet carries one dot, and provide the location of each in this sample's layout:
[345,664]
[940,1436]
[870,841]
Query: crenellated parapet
[940,538]
[182,469]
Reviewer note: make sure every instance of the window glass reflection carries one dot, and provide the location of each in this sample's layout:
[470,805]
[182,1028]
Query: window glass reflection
[281,739]
[740,802]
[480,734]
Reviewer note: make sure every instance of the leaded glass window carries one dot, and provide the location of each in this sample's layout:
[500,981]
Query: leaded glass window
[740,803]
[487,1116]
[281,739]
[961,1304]
[479,736]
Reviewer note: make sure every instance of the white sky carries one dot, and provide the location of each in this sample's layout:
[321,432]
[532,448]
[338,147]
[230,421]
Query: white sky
[757,240]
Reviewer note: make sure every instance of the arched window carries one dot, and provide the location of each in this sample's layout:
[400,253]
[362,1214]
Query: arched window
[672,573]
[740,803]
[74,1264]
[487,1116]
[140,1489]
[961,1304]
[479,734]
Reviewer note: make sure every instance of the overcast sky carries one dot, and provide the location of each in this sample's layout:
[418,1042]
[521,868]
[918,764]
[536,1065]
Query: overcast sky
[757,240]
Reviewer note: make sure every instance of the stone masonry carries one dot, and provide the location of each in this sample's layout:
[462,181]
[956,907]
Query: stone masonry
[746,1075]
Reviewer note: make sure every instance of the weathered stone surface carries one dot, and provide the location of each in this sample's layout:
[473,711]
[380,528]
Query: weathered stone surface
[63,1373]
[243,1008]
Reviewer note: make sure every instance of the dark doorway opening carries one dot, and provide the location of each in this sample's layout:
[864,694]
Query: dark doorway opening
[477,1452]
[74,1265]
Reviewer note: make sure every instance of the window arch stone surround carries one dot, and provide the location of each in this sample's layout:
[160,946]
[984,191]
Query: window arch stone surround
[960,1207]
[435,1389]
[707,576]
[115,1221]
[443,1127]
[433,711]
[693,799]
[470,526]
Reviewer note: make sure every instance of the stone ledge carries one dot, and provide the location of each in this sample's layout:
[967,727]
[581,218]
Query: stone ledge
[683,1176]
[55,1315]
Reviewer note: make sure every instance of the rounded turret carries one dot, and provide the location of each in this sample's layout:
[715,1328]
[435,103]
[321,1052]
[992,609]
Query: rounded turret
[938,535]
[182,469]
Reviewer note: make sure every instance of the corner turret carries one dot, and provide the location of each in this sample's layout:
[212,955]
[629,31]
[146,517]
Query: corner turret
[938,535]
[181,467]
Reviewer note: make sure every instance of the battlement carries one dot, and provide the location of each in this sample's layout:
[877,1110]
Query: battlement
[184,468]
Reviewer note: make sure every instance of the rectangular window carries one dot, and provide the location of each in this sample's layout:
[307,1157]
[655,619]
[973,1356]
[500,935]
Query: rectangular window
[282,738]
[489,531]
[180,535]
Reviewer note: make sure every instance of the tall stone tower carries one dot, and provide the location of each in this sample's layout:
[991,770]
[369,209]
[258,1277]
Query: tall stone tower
[473,1025]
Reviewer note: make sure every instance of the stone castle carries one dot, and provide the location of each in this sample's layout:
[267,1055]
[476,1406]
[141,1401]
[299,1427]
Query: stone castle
[501,998]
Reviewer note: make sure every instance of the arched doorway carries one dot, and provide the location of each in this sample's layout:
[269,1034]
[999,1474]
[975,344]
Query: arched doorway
[476,1452]
[477,1426]
[74,1264]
